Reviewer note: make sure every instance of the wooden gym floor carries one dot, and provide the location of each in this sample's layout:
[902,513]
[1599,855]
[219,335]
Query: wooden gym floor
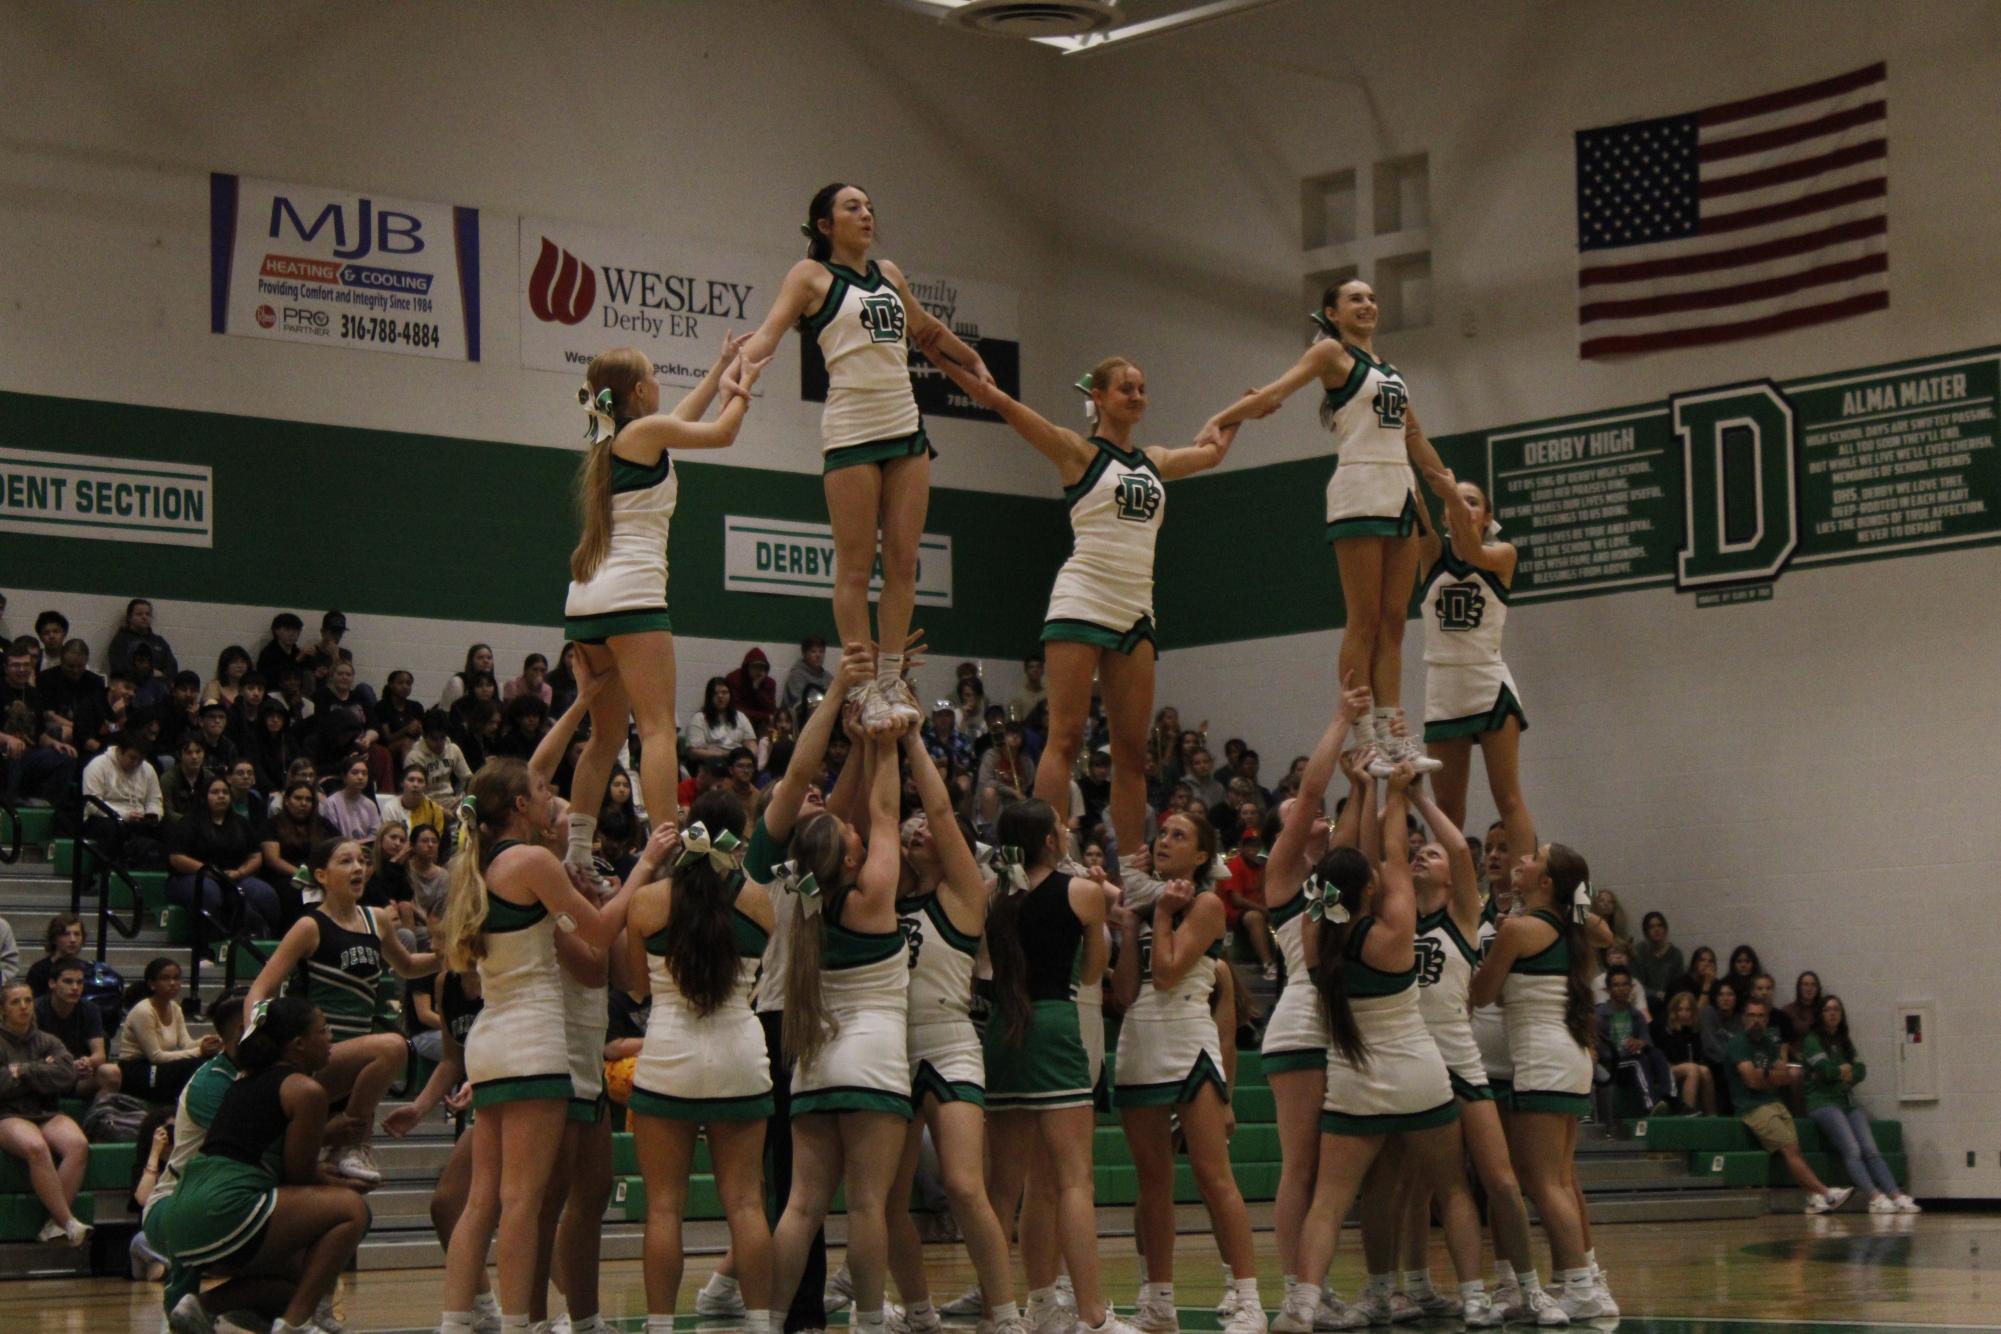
[1753,1276]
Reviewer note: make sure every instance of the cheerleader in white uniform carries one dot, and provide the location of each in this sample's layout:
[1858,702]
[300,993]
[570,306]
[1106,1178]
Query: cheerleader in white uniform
[1295,1037]
[1384,1074]
[846,997]
[1100,620]
[876,456]
[1372,506]
[1469,694]
[1539,968]
[1170,1067]
[616,612]
[507,901]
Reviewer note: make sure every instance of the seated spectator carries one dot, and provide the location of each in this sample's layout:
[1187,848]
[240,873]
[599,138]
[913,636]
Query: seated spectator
[341,725]
[1200,780]
[289,689]
[563,682]
[702,775]
[1095,787]
[618,796]
[250,696]
[740,775]
[1241,793]
[155,1050]
[289,838]
[36,1074]
[969,695]
[523,723]
[1247,768]
[1700,977]
[399,719]
[477,729]
[38,762]
[412,806]
[122,780]
[427,878]
[178,715]
[718,727]
[1765,987]
[1243,894]
[1658,962]
[1758,1076]
[1720,1023]
[534,680]
[808,673]
[52,629]
[1606,907]
[389,880]
[1804,1011]
[181,786]
[272,746]
[78,1026]
[774,748]
[753,690]
[135,633]
[352,810]
[283,651]
[1625,1047]
[1832,1072]
[244,796]
[479,662]
[446,772]
[156,1149]
[328,654]
[950,749]
[213,717]
[1093,856]
[1616,956]
[616,846]
[1677,1033]
[149,688]
[114,711]
[70,685]
[10,953]
[1024,701]
[231,666]
[422,1023]
[64,938]
[1744,969]
[215,835]
[1006,768]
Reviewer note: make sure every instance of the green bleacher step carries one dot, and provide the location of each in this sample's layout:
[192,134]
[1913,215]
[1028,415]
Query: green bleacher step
[152,884]
[22,1215]
[37,824]
[109,1168]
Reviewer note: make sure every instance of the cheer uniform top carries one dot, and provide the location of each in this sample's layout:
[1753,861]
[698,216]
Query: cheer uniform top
[1296,1036]
[944,1048]
[1400,1083]
[1371,493]
[519,1050]
[1552,1071]
[1103,595]
[863,1066]
[342,973]
[227,1195]
[1445,964]
[704,1067]
[627,594]
[1490,1024]
[1468,689]
[871,414]
[1168,1045]
[201,1097]
[1050,1066]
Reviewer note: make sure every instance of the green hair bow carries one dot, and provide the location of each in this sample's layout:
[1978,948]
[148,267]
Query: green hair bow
[1323,901]
[1011,867]
[795,879]
[720,849]
[602,425]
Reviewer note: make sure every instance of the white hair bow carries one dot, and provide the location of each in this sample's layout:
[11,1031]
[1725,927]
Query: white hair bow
[1011,869]
[720,849]
[795,879]
[602,425]
[1323,901]
[1580,904]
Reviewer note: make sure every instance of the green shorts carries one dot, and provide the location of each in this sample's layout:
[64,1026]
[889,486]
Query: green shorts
[217,1213]
[1340,1123]
[596,629]
[1048,1069]
[1086,632]
[1403,525]
[1479,724]
[878,451]
[750,1107]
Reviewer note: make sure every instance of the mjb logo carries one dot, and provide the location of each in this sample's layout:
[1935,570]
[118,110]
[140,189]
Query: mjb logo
[386,230]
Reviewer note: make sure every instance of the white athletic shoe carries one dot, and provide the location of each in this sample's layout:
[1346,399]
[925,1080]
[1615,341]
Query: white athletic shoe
[1296,1316]
[1411,749]
[901,1322]
[53,1231]
[1246,1318]
[1838,1196]
[1112,1325]
[1228,1301]
[1508,1301]
[840,1291]
[357,1163]
[1154,1316]
[1479,1312]
[324,1318]
[1580,1302]
[1601,1284]
[1907,1205]
[1335,1314]
[1434,1305]
[1882,1204]
[970,1303]
[1050,1319]
[720,1297]
[1066,1293]
[189,1316]
[1544,1309]
[1015,1326]
[1816,1204]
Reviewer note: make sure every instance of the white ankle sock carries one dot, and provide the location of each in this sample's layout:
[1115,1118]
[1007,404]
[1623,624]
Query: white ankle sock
[888,667]
[1528,1282]
[1504,1273]
[1163,1292]
[923,1310]
[1003,1313]
[583,829]
[1246,1287]
[1471,1288]
[1304,1296]
[1576,1278]
[1413,1279]
[756,1322]
[872,1320]
[659,1324]
[1591,1259]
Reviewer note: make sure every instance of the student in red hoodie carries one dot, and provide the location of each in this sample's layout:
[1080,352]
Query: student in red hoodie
[753,691]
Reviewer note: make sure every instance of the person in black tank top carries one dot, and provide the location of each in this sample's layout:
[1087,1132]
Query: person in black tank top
[1046,937]
[255,1203]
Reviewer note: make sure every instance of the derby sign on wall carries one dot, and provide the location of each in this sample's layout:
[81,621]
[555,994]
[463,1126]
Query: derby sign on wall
[308,265]
[585,289]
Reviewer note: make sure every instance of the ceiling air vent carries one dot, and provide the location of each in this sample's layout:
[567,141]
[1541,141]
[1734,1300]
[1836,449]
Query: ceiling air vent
[1032,19]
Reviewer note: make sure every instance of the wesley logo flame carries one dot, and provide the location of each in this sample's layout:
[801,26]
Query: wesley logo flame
[562,287]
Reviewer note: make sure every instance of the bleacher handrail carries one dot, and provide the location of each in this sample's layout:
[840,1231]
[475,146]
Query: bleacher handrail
[226,923]
[10,851]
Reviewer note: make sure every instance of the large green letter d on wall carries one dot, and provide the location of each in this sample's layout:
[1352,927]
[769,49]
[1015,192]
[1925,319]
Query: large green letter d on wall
[1739,476]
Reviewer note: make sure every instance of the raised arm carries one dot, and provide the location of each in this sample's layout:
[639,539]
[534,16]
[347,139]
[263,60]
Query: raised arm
[1069,451]
[1396,910]
[810,750]
[883,866]
[555,743]
[802,282]
[664,431]
[293,948]
[1424,458]
[1465,879]
[694,404]
[930,335]
[962,871]
[1286,867]
[542,875]
[1326,359]
[1187,460]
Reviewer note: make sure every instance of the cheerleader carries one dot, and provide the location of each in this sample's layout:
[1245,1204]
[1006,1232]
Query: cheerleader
[942,918]
[1540,969]
[1044,1049]
[1100,620]
[1469,694]
[1295,1039]
[255,1202]
[846,985]
[698,938]
[1384,1075]
[340,947]
[876,458]
[508,900]
[1170,1068]
[616,612]
[1372,507]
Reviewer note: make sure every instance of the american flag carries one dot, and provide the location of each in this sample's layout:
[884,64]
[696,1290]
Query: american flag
[1735,221]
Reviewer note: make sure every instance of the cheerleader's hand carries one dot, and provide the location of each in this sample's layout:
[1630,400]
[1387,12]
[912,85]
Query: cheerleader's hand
[1356,701]
[857,664]
[402,1121]
[1355,763]
[732,345]
[459,1099]
[1265,408]
[590,680]
[1402,777]
[1210,434]
[662,846]
[742,377]
[1177,895]
[1141,860]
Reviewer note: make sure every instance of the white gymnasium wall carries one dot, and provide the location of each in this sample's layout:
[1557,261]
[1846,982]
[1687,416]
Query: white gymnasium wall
[1811,774]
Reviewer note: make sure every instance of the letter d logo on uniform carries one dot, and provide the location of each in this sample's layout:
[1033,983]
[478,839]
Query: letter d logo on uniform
[1739,480]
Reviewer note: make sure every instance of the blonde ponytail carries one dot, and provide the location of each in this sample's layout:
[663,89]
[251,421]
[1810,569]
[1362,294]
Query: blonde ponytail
[483,818]
[619,370]
[818,846]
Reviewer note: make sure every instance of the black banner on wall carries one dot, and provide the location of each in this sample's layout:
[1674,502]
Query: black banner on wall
[983,314]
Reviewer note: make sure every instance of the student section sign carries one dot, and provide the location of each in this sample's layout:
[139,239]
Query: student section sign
[106,499]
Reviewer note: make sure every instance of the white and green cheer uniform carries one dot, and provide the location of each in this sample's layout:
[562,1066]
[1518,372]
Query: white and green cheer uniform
[1401,1083]
[1468,690]
[696,1067]
[871,414]
[1371,493]
[1445,964]
[628,594]
[1296,1036]
[585,1012]
[1490,1025]
[945,1050]
[1168,1046]
[194,1113]
[1104,593]
[1552,1072]
[864,1065]
[520,1048]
